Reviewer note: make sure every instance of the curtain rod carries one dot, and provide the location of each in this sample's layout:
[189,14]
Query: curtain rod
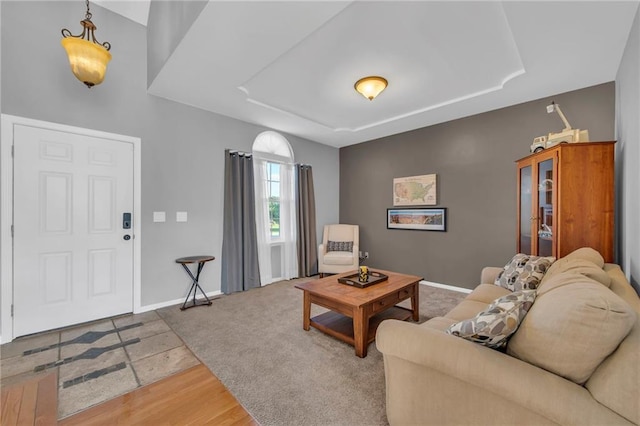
[235,151]
[249,154]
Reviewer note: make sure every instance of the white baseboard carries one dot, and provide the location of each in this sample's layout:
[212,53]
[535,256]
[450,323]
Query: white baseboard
[155,306]
[446,287]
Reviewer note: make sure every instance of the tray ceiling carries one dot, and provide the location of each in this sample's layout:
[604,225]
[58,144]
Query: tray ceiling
[291,66]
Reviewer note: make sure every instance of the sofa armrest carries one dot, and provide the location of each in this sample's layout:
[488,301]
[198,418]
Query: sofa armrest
[489,274]
[467,370]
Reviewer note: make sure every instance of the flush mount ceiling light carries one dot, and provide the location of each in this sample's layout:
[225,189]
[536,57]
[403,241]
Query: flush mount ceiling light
[371,86]
[88,57]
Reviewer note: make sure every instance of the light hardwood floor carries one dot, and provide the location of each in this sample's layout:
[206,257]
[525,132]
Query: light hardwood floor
[192,397]
[33,402]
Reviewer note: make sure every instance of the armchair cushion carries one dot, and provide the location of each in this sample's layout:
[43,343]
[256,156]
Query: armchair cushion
[338,258]
[339,246]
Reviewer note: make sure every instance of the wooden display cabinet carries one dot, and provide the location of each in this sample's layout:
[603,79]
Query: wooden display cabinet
[566,200]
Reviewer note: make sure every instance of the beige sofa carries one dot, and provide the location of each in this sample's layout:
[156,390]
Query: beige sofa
[436,378]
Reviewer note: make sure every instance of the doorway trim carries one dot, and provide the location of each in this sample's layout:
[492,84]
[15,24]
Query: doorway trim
[6,213]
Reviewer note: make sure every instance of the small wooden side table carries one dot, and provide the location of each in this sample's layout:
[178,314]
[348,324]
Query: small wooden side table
[200,260]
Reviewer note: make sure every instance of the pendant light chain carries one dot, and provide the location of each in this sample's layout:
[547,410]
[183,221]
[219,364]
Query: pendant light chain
[88,15]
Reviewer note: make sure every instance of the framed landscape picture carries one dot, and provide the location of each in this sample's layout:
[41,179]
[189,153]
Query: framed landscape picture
[418,219]
[415,191]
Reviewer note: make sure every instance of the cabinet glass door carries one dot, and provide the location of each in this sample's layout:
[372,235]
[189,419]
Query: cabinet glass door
[544,215]
[524,240]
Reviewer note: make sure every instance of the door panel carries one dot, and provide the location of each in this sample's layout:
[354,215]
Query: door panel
[55,203]
[102,214]
[55,277]
[102,277]
[71,263]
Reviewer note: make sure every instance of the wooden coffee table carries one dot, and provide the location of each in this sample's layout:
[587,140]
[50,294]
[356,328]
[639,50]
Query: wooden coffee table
[355,313]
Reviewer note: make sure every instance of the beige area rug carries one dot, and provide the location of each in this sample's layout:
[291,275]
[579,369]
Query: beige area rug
[254,342]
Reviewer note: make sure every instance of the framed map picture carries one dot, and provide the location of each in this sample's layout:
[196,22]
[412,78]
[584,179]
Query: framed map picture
[419,219]
[415,191]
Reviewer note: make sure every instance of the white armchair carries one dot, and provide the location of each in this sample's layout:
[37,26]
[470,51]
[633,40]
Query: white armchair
[339,249]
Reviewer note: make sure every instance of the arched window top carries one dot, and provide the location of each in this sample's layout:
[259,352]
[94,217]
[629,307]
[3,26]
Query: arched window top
[273,146]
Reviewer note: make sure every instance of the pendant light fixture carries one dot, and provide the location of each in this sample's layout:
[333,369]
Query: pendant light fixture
[88,58]
[371,86]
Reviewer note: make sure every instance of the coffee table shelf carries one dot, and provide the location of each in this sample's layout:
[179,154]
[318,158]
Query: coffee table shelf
[341,326]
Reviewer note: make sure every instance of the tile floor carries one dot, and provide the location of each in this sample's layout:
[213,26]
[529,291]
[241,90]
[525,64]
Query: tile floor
[98,361]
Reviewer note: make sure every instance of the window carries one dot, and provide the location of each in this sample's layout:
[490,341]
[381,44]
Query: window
[274,175]
[273,188]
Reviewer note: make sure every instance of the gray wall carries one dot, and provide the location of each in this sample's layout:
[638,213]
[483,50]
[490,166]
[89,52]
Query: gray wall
[168,23]
[628,155]
[182,147]
[474,159]
[0,108]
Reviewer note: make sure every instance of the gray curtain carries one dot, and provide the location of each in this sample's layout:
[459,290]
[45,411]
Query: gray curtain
[240,269]
[306,218]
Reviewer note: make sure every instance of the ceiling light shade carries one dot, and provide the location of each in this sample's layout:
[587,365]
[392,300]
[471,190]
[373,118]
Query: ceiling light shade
[87,57]
[370,87]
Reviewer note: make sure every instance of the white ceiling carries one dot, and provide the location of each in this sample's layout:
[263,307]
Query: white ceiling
[291,66]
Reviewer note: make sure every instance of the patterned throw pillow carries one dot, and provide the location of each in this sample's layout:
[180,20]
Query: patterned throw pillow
[493,326]
[339,245]
[524,272]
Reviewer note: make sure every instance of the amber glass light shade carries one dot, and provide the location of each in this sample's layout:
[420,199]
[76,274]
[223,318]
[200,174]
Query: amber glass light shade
[370,87]
[88,60]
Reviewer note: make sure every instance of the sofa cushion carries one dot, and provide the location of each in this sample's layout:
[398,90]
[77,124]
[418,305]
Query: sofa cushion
[467,309]
[339,246]
[438,323]
[487,293]
[563,279]
[476,301]
[524,272]
[572,328]
[621,287]
[614,384]
[587,253]
[581,266]
[493,326]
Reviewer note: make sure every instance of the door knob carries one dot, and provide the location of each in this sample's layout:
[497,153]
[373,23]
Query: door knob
[127,237]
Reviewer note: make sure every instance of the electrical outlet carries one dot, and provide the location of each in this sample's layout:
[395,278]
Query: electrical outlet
[366,254]
[360,254]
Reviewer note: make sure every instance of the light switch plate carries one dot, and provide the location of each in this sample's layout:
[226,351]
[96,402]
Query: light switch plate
[159,217]
[181,216]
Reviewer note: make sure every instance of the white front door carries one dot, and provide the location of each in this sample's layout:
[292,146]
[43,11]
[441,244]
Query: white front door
[73,256]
